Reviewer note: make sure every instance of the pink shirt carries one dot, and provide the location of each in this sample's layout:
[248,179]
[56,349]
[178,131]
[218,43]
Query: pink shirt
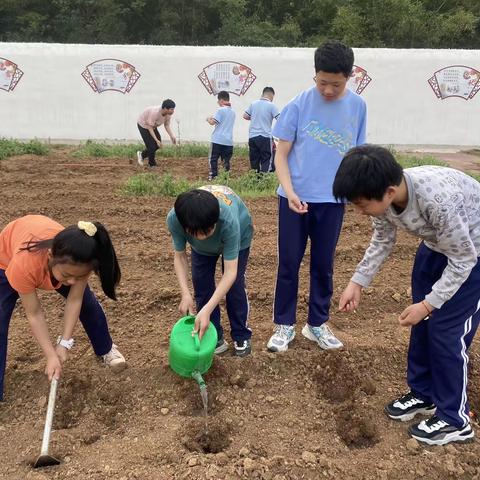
[151,117]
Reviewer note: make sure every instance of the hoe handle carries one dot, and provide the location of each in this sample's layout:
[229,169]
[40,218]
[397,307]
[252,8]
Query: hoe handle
[49,419]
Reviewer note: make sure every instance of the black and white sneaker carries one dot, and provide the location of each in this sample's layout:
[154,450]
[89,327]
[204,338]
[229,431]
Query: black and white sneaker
[435,431]
[406,407]
[242,348]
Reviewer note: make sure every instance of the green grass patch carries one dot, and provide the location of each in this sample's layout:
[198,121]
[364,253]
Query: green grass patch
[249,185]
[195,150]
[95,149]
[240,150]
[149,184]
[9,148]
[408,161]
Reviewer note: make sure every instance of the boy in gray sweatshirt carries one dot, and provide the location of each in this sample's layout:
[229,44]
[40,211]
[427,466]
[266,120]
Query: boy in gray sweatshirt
[442,207]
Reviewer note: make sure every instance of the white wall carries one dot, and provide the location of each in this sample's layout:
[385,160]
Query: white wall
[52,100]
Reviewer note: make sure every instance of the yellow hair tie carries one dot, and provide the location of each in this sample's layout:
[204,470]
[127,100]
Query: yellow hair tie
[88,227]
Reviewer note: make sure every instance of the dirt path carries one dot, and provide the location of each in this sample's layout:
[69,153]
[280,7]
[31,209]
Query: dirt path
[461,160]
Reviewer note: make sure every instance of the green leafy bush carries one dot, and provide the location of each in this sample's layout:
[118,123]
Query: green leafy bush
[9,148]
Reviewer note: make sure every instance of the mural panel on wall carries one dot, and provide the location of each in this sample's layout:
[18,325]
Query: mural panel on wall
[10,74]
[455,81]
[110,74]
[230,76]
[359,79]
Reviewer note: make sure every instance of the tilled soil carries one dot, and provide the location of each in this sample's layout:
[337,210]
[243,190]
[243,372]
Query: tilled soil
[304,414]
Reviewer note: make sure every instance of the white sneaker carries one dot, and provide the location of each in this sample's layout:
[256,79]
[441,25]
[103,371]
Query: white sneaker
[139,158]
[221,347]
[114,359]
[283,335]
[323,336]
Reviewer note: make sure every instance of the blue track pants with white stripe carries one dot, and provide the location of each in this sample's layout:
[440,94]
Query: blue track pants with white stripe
[437,355]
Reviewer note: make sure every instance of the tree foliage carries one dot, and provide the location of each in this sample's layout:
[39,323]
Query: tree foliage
[290,23]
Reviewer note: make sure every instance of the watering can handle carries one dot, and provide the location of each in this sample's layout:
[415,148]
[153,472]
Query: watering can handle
[196,341]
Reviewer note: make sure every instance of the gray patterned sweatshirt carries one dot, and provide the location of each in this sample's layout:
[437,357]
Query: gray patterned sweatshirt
[444,210]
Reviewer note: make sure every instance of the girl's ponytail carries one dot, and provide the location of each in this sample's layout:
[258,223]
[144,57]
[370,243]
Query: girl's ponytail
[108,267]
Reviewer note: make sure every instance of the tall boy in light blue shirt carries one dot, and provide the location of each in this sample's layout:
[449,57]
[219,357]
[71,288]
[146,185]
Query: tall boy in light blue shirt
[315,130]
[222,136]
[261,114]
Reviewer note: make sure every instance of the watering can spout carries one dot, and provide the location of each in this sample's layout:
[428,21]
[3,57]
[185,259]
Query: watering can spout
[197,376]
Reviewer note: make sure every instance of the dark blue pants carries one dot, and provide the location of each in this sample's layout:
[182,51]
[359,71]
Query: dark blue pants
[437,355]
[91,315]
[203,279]
[260,152]
[322,224]
[217,151]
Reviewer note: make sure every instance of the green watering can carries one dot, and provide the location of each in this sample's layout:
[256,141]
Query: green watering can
[188,355]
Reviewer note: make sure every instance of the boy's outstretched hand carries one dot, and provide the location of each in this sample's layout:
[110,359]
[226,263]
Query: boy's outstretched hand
[350,298]
[413,314]
[202,321]
[54,367]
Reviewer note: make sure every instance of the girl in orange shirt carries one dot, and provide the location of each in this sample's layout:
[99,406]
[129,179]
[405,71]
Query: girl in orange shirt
[39,253]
